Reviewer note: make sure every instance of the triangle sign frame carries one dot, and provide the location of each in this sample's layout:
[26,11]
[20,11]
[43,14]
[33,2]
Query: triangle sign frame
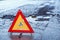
[26,22]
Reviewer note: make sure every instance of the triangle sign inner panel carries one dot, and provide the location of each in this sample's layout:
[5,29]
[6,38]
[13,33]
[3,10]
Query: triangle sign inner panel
[20,24]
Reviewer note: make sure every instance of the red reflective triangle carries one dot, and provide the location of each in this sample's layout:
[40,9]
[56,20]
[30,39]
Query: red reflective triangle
[19,13]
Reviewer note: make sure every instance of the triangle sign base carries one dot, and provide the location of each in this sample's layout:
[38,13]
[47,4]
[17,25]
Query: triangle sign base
[20,24]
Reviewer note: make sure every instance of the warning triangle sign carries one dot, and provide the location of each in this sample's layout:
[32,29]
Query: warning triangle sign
[20,24]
